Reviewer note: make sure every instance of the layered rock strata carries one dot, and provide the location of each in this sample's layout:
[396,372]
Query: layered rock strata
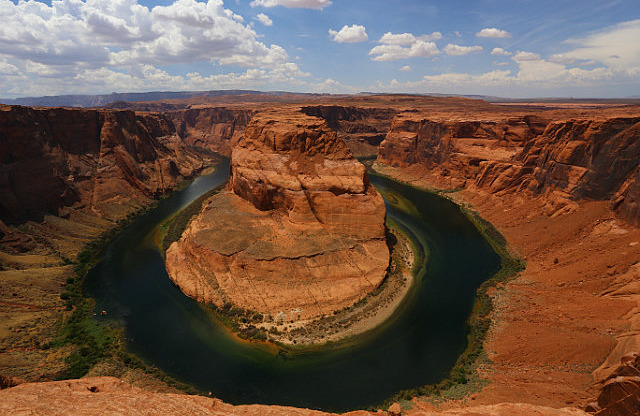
[67,176]
[299,234]
[566,160]
[102,161]
[215,128]
[361,128]
[456,147]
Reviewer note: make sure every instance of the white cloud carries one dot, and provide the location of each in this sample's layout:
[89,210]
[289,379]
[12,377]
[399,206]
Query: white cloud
[405,39]
[405,68]
[145,78]
[394,46]
[500,51]
[306,4]
[559,58]
[349,34]
[121,32]
[607,61]
[493,32]
[264,19]
[419,49]
[616,47]
[331,86]
[458,50]
[8,69]
[65,43]
[522,56]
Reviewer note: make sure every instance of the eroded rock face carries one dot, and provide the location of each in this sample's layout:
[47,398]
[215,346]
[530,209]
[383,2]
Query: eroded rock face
[217,129]
[565,161]
[455,147]
[299,234]
[361,128]
[572,160]
[110,396]
[620,394]
[100,160]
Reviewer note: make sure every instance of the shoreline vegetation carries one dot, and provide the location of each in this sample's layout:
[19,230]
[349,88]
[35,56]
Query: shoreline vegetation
[463,379]
[341,327]
[95,342]
[99,341]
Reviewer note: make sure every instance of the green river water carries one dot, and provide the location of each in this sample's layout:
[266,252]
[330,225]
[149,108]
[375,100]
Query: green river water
[417,346]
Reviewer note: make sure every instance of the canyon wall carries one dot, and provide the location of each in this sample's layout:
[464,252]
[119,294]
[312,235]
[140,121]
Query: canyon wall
[566,160]
[361,128]
[299,234]
[217,129]
[574,160]
[98,160]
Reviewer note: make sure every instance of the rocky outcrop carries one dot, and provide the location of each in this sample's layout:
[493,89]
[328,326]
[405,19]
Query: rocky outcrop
[213,128]
[573,160]
[455,148]
[620,394]
[103,161]
[299,234]
[565,161]
[361,128]
[110,396]
[414,139]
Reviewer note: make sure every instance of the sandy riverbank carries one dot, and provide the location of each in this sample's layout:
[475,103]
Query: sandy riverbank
[561,324]
[366,315]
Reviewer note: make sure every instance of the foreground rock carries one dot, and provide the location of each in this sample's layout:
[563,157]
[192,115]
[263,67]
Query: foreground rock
[620,394]
[300,234]
[110,396]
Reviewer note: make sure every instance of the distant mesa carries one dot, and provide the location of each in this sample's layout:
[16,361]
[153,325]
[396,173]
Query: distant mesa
[299,234]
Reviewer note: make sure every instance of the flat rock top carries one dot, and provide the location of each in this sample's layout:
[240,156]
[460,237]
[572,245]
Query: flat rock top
[294,133]
[231,225]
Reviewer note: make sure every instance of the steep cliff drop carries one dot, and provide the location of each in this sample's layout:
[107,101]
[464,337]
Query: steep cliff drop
[103,162]
[299,234]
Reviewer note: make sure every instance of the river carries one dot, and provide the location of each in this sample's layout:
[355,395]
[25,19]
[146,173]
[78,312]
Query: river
[417,346]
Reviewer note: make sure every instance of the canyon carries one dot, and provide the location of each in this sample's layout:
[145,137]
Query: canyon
[560,183]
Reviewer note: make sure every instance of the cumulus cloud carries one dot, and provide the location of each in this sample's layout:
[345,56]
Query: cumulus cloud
[607,60]
[419,49]
[8,69]
[532,75]
[405,68]
[458,50]
[522,56]
[264,19]
[500,51]
[71,40]
[306,4]
[616,47]
[405,39]
[122,32]
[332,86]
[405,45]
[559,58]
[349,34]
[493,32]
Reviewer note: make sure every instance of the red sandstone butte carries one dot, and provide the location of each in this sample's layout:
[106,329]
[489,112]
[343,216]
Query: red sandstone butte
[300,232]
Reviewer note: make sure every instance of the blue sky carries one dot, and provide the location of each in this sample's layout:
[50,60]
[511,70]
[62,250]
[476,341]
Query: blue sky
[517,48]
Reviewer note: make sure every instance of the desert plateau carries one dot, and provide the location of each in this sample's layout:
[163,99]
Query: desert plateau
[313,207]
